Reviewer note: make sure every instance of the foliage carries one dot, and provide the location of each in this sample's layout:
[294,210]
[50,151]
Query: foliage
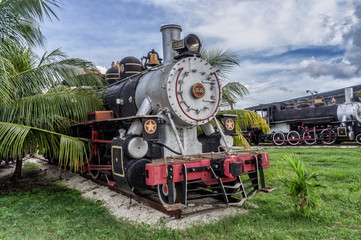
[224,62]
[40,97]
[248,119]
[19,20]
[301,184]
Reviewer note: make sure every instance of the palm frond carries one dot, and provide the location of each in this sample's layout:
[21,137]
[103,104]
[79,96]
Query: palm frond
[233,91]
[19,20]
[12,140]
[41,79]
[19,140]
[222,60]
[51,111]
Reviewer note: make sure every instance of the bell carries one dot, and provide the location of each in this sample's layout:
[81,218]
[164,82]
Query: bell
[153,58]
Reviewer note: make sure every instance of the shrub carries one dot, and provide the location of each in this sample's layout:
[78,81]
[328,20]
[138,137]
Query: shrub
[301,184]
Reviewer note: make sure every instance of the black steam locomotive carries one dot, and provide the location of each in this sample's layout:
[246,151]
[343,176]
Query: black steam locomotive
[147,138]
[310,122]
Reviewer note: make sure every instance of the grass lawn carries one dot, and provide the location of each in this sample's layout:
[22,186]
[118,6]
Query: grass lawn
[43,211]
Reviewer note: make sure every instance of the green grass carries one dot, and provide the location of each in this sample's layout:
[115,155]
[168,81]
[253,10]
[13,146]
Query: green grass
[30,165]
[52,212]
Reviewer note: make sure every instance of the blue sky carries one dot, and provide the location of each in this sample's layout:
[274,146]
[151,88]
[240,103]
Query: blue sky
[284,46]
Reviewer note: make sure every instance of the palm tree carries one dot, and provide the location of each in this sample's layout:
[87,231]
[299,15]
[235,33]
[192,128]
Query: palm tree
[31,116]
[224,61]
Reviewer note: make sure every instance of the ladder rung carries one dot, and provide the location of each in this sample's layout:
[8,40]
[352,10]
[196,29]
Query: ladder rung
[246,181]
[233,187]
[251,186]
[204,196]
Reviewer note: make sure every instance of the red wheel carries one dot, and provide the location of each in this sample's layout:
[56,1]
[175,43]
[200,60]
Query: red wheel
[164,194]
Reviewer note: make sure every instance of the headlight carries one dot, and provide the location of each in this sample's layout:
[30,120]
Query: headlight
[192,43]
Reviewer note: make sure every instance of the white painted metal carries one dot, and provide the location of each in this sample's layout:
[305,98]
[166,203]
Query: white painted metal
[180,145]
[170,33]
[208,129]
[136,127]
[186,109]
[349,111]
[137,147]
[282,127]
[348,95]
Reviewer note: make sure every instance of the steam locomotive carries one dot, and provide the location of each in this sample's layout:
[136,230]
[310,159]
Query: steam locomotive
[309,123]
[147,137]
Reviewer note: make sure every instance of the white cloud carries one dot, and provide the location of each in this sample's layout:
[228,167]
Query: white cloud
[103,34]
[102,69]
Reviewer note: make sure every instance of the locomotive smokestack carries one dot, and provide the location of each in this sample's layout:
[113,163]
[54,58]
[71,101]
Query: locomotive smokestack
[348,95]
[170,32]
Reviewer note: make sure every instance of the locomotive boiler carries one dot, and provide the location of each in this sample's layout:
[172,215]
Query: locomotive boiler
[149,135]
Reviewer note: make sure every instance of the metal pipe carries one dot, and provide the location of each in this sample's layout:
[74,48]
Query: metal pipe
[170,33]
[136,127]
[348,95]
[175,132]
[208,129]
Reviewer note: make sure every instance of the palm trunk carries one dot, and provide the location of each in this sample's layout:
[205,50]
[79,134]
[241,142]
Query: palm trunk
[303,204]
[17,173]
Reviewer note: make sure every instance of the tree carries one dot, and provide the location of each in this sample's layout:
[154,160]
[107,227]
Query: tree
[224,61]
[31,116]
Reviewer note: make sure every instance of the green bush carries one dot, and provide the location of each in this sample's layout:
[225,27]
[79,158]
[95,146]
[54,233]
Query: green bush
[301,184]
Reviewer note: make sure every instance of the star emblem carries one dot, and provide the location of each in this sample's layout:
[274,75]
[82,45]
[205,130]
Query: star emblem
[150,126]
[229,124]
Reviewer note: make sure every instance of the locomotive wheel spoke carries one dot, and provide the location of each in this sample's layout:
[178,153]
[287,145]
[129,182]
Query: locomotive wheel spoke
[328,136]
[278,138]
[293,138]
[309,137]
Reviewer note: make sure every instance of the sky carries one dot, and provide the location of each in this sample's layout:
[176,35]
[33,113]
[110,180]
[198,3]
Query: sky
[284,47]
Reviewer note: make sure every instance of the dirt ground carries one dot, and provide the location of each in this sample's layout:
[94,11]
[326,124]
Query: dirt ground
[117,204]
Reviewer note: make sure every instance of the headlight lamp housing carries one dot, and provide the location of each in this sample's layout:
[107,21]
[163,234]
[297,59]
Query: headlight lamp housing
[188,46]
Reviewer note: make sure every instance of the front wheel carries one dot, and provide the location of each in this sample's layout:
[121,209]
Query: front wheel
[164,194]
